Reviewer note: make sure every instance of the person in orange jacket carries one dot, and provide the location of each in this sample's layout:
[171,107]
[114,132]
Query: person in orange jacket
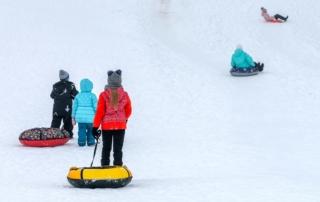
[113,112]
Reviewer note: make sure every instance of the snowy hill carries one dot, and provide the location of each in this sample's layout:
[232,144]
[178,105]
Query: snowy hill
[196,133]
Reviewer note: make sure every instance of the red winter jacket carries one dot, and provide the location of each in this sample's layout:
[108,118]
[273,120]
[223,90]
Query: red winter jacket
[107,116]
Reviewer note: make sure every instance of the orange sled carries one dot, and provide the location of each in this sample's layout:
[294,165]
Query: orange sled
[275,21]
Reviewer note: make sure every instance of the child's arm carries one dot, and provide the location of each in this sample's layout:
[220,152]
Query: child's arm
[100,111]
[74,107]
[54,94]
[249,60]
[128,108]
[94,102]
[74,91]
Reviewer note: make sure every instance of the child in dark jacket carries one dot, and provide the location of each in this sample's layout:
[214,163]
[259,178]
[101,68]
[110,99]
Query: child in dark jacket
[63,93]
[84,108]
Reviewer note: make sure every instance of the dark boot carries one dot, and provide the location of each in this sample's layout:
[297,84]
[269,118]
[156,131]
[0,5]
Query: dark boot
[257,65]
[261,67]
[286,18]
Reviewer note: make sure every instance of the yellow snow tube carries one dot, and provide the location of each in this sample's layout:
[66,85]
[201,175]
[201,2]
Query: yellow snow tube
[99,177]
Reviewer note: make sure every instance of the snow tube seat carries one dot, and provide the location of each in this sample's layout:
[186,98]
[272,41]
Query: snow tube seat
[44,137]
[250,71]
[99,177]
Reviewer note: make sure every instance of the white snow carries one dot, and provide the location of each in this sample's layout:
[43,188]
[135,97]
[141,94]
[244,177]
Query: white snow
[196,133]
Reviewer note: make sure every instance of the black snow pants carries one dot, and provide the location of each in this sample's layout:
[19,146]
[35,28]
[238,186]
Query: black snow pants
[56,122]
[277,16]
[118,138]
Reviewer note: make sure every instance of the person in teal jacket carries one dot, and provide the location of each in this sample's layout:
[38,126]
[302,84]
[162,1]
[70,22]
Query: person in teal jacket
[83,111]
[241,59]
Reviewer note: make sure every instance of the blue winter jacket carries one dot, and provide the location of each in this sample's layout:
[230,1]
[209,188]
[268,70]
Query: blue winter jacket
[85,103]
[241,59]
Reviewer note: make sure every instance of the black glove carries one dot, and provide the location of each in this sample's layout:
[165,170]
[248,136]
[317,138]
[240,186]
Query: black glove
[96,132]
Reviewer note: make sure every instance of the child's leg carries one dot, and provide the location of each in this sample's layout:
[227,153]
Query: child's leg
[90,138]
[277,16]
[82,133]
[68,124]
[107,142]
[118,139]
[56,121]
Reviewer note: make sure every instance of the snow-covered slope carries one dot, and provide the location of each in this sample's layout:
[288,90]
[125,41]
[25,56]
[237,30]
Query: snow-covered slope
[196,133]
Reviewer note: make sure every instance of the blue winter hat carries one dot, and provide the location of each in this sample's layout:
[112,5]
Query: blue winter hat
[63,75]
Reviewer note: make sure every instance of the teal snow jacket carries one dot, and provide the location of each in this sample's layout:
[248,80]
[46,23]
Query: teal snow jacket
[85,103]
[241,59]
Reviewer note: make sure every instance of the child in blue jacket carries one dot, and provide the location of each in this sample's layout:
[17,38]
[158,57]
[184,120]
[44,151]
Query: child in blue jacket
[83,111]
[241,59]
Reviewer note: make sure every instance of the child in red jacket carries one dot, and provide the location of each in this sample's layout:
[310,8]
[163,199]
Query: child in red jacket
[113,111]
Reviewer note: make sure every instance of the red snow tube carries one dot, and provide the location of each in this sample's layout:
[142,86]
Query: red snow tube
[44,143]
[44,137]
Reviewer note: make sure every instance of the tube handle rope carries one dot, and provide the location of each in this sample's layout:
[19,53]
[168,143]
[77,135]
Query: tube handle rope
[95,147]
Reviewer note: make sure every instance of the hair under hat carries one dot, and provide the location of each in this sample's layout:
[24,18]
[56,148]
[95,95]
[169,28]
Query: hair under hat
[63,75]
